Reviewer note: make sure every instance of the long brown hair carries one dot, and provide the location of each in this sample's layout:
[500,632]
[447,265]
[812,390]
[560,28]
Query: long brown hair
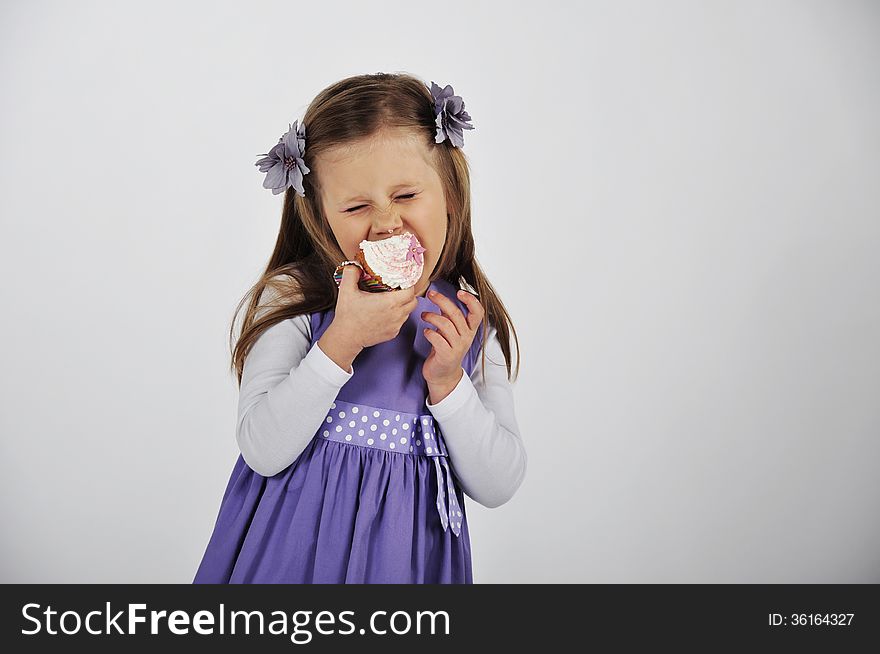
[299,276]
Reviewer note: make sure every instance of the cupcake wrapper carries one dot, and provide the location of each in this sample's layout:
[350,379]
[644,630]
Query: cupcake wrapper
[366,282]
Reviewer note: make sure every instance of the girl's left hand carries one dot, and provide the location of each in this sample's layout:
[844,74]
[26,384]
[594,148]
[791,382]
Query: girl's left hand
[452,339]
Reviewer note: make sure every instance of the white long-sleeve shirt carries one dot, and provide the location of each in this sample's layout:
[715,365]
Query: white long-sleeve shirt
[287,388]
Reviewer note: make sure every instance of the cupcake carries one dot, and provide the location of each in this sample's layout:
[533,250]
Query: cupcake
[388,264]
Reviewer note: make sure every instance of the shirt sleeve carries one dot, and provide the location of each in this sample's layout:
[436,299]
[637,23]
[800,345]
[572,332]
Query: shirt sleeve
[286,391]
[478,424]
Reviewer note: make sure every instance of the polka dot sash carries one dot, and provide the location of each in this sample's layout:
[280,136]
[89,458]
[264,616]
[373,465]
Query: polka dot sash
[402,433]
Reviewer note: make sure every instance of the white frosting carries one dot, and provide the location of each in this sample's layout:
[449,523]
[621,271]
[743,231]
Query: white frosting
[387,258]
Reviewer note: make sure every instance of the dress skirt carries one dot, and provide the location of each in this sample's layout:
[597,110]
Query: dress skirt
[371,499]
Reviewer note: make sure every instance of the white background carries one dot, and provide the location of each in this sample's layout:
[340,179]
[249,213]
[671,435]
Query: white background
[678,203]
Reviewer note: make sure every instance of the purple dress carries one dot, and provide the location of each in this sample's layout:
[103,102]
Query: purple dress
[372,498]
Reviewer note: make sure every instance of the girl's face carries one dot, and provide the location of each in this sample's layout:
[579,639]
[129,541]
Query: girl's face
[382,183]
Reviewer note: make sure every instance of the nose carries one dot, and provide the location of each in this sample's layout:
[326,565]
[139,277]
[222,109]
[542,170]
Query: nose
[386,221]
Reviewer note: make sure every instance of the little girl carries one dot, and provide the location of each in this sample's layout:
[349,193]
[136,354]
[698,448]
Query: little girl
[365,417]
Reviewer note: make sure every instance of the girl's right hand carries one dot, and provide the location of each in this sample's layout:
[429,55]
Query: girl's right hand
[363,318]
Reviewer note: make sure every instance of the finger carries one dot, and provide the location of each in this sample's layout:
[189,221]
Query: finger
[451,311]
[476,312]
[444,326]
[437,339]
[407,307]
[405,296]
[351,274]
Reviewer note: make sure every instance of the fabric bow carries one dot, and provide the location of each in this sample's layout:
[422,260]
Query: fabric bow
[447,500]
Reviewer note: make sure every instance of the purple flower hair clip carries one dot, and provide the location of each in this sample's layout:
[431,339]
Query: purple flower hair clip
[451,116]
[283,164]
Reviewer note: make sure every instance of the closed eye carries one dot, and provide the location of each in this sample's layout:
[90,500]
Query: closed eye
[399,197]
